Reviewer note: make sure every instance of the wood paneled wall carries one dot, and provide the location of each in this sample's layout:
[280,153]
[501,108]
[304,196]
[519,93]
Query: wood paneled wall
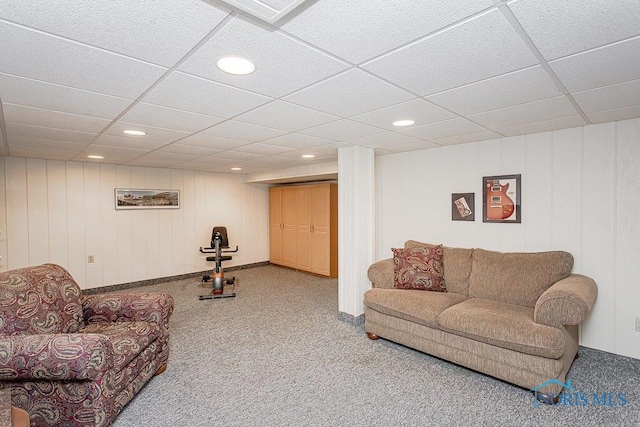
[62,212]
[580,193]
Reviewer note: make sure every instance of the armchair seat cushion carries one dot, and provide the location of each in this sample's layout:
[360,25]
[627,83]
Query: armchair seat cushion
[503,325]
[128,339]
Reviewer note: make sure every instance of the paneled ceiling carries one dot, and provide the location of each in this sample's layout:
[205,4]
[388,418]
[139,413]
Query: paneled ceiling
[330,74]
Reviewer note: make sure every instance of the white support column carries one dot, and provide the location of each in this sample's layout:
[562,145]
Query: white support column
[355,227]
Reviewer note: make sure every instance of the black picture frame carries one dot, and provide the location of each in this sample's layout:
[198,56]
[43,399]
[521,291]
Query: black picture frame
[463,207]
[501,199]
[138,198]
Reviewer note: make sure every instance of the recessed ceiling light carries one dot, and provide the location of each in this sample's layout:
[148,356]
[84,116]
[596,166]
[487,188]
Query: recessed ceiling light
[236,169]
[134,132]
[94,156]
[308,156]
[236,65]
[403,123]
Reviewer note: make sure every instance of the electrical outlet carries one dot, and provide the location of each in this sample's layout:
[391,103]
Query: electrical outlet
[637,324]
[91,259]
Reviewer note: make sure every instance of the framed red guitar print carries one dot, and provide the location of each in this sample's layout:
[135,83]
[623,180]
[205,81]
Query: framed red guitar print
[501,199]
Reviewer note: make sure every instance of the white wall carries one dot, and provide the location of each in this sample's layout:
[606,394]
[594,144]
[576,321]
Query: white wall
[62,212]
[356,168]
[580,193]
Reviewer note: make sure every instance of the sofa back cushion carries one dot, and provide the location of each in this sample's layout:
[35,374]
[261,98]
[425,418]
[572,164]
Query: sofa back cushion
[457,266]
[39,300]
[516,278]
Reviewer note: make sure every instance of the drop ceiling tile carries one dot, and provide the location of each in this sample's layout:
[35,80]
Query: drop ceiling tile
[560,28]
[154,115]
[350,93]
[63,62]
[130,28]
[161,159]
[609,97]
[262,149]
[242,131]
[530,84]
[470,137]
[532,112]
[341,130]
[283,64]
[210,141]
[296,141]
[127,142]
[203,163]
[153,133]
[483,47]
[359,30]
[403,148]
[234,156]
[202,96]
[563,123]
[115,155]
[28,131]
[285,116]
[615,114]
[265,10]
[52,119]
[40,153]
[445,128]
[418,110]
[48,96]
[188,149]
[616,63]
[47,144]
[385,140]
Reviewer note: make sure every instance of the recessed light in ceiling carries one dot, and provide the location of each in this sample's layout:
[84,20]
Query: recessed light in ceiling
[134,132]
[236,169]
[94,156]
[401,123]
[308,156]
[236,65]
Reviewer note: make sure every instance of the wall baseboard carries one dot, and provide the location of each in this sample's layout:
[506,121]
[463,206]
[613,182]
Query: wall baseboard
[354,320]
[130,285]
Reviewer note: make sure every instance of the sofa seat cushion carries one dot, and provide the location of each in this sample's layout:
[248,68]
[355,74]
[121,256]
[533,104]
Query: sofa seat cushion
[410,304]
[503,325]
[128,339]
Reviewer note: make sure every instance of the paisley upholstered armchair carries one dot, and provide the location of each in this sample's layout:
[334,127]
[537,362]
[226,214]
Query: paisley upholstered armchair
[77,360]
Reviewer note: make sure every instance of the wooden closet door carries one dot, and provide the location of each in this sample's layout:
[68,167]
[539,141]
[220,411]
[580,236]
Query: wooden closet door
[289,257]
[275,225]
[320,226]
[303,227]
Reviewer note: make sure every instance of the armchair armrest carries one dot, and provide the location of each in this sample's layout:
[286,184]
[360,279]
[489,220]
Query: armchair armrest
[381,273]
[148,307]
[54,356]
[567,302]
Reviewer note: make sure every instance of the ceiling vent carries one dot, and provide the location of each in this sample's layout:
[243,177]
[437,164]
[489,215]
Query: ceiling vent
[265,10]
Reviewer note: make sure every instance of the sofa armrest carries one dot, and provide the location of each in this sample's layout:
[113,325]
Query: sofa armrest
[381,273]
[567,302]
[148,307]
[54,356]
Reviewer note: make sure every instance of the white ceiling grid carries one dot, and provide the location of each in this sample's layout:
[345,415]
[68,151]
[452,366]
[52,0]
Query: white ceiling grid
[329,74]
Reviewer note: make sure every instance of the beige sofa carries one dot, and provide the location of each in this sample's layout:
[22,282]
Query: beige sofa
[513,316]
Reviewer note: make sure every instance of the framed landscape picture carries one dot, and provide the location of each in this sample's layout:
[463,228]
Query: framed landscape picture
[130,198]
[501,199]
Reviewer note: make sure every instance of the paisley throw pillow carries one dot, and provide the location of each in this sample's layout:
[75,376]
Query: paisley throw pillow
[419,268]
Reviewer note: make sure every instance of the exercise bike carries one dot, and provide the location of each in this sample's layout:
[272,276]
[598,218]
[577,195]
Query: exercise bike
[218,241]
